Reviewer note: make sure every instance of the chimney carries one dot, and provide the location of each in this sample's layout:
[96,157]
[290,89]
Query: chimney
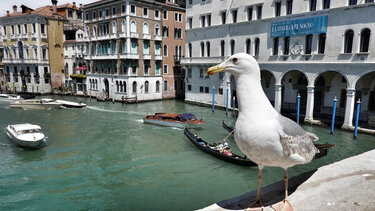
[8,13]
[80,6]
[54,6]
[74,4]
[14,8]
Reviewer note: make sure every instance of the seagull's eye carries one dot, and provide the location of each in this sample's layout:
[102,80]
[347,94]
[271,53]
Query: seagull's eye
[234,60]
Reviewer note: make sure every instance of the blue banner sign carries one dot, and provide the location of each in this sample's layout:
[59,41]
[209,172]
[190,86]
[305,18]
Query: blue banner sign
[314,25]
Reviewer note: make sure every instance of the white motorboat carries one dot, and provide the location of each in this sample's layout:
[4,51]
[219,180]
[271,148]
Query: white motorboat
[44,103]
[26,135]
[9,98]
[70,104]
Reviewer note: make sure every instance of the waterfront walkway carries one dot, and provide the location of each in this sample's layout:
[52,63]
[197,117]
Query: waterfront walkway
[348,184]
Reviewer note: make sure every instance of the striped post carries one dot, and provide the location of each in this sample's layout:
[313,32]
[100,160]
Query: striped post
[333,114]
[226,106]
[298,105]
[357,118]
[213,99]
[234,104]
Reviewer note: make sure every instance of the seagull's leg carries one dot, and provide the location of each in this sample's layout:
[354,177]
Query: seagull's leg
[260,177]
[287,205]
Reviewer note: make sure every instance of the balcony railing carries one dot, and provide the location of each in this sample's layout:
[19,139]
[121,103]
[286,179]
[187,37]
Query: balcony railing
[104,56]
[158,57]
[123,35]
[103,37]
[146,36]
[43,36]
[147,56]
[113,36]
[129,56]
[134,35]
[158,38]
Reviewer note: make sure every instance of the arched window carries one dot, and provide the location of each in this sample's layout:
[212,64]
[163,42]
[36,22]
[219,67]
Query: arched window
[222,48]
[157,29]
[248,46]
[208,46]
[146,86]
[118,87]
[165,31]
[134,87]
[87,31]
[348,45]
[232,45]
[66,68]
[114,27]
[124,86]
[365,40]
[202,49]
[145,28]
[190,50]
[157,86]
[94,31]
[165,50]
[123,26]
[133,26]
[257,43]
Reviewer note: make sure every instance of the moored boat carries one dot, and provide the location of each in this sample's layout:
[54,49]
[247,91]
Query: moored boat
[174,120]
[219,152]
[9,98]
[26,135]
[44,103]
[70,104]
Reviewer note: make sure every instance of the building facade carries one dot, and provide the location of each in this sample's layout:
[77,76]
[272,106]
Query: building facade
[124,48]
[33,49]
[318,49]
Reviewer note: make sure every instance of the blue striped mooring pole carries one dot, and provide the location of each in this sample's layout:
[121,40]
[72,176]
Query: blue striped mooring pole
[357,118]
[298,105]
[213,99]
[333,114]
[226,106]
[234,104]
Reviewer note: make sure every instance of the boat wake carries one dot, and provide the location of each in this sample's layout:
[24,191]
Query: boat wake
[113,111]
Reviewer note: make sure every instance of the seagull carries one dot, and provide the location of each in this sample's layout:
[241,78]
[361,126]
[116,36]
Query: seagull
[262,133]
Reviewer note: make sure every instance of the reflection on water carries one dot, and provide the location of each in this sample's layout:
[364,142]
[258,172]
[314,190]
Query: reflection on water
[105,157]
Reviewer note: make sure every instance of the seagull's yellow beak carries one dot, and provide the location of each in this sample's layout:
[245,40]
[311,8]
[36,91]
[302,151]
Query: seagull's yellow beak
[215,69]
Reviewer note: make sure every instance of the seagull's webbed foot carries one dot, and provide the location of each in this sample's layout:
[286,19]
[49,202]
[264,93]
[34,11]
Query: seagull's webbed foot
[256,203]
[283,206]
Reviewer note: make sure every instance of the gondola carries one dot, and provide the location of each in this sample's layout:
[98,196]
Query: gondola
[205,147]
[323,148]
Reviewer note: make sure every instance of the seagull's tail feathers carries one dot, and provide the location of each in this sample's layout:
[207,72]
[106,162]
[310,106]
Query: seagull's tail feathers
[312,136]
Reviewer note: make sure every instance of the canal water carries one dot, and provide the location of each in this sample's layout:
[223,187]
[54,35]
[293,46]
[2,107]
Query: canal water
[104,157]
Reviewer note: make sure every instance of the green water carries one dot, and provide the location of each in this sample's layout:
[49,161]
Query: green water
[104,157]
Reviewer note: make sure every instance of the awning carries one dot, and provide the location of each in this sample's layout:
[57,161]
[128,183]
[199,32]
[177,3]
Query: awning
[83,67]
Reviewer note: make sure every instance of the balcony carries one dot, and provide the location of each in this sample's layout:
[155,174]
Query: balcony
[147,56]
[103,37]
[86,39]
[13,37]
[123,35]
[158,38]
[20,61]
[34,35]
[134,35]
[129,56]
[147,36]
[104,57]
[43,36]
[113,36]
[201,60]
[158,57]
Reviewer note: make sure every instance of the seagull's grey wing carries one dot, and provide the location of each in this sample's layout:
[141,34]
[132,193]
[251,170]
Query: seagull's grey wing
[289,127]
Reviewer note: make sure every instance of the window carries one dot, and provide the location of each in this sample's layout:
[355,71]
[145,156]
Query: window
[190,23]
[326,4]
[34,28]
[157,68]
[201,89]
[114,27]
[132,9]
[42,28]
[25,28]
[365,40]
[134,87]
[12,29]
[157,14]
[19,29]
[165,15]
[157,29]
[223,17]
[277,9]
[190,49]
[220,91]
[178,17]
[202,49]
[165,50]
[86,16]
[257,43]
[145,12]
[107,12]
[157,86]
[232,47]
[250,13]
[221,75]
[248,46]
[44,53]
[113,11]
[206,89]
[134,47]
[222,48]
[165,31]
[189,87]
[134,69]
[70,14]
[234,16]
[146,49]
[289,7]
[322,43]
[286,45]
[308,44]
[209,20]
[348,45]
[352,2]
[203,21]
[146,86]
[145,28]
[133,26]
[123,9]
[123,26]
[201,73]
[177,33]
[208,46]
[275,46]
[189,73]
[100,14]
[259,12]
[165,86]
[312,5]
[165,69]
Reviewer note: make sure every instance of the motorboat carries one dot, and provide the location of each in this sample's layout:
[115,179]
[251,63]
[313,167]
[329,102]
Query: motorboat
[187,120]
[44,103]
[26,135]
[70,104]
[9,98]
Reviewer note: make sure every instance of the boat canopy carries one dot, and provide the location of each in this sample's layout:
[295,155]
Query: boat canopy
[22,127]
[187,116]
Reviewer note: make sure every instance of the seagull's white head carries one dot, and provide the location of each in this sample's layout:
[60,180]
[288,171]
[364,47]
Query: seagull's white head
[240,63]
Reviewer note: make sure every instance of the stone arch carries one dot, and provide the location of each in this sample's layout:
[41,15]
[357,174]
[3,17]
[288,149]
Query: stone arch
[365,90]
[293,82]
